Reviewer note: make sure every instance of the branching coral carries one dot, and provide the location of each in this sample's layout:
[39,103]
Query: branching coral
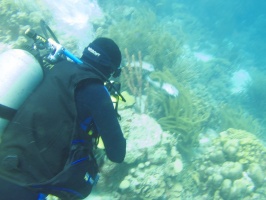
[132,73]
[132,80]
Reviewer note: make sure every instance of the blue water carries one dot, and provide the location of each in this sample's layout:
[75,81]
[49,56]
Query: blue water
[241,22]
[212,52]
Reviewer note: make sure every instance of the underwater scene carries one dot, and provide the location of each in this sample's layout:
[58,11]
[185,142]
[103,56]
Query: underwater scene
[194,80]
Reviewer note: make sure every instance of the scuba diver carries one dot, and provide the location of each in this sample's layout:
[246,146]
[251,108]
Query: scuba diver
[46,148]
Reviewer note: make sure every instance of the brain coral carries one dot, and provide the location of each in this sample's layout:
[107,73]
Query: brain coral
[239,170]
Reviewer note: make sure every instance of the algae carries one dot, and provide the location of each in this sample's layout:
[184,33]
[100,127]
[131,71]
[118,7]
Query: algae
[185,116]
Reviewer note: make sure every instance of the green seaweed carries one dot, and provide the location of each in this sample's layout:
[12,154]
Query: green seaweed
[185,116]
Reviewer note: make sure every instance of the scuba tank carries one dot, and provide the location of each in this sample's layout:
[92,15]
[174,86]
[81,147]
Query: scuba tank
[20,73]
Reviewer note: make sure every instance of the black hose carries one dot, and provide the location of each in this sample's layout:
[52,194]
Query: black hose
[45,27]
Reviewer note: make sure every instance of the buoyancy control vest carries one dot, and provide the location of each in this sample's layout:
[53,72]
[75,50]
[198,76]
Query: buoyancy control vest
[36,145]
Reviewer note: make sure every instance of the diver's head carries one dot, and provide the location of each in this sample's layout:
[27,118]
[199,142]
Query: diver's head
[104,54]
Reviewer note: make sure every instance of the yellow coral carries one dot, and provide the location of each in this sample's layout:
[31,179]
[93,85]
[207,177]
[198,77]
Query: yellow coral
[250,149]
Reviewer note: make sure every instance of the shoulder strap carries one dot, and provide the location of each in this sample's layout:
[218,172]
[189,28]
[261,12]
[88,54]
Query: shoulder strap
[7,112]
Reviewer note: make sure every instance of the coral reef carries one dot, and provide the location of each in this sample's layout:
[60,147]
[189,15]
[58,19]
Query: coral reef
[186,116]
[233,167]
[15,19]
[143,33]
[152,164]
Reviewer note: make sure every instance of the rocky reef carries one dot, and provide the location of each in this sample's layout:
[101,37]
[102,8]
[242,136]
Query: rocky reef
[229,166]
[151,166]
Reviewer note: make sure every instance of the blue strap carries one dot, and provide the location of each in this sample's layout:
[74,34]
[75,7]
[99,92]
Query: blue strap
[42,196]
[86,123]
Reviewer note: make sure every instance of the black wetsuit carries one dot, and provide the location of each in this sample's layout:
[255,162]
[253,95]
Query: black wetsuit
[93,100]
[35,144]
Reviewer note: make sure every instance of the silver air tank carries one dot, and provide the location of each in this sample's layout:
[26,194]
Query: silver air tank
[20,74]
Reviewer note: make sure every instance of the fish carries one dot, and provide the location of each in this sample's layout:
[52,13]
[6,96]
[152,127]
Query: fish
[170,89]
[167,87]
[145,65]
